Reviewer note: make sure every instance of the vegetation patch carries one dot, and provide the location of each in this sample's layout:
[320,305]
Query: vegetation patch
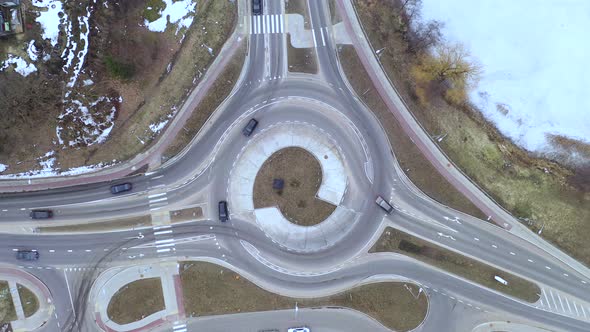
[301,60]
[118,69]
[152,10]
[418,169]
[301,176]
[136,301]
[213,290]
[101,226]
[7,311]
[219,91]
[558,198]
[393,240]
[28,299]
[187,214]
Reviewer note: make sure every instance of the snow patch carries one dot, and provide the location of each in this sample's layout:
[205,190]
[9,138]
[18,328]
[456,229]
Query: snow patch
[21,66]
[32,50]
[49,18]
[3,167]
[180,12]
[535,79]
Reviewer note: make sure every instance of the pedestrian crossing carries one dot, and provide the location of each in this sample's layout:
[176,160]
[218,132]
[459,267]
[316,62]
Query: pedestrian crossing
[555,301]
[262,24]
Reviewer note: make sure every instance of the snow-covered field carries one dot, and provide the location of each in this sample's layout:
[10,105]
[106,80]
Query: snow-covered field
[534,55]
[179,12]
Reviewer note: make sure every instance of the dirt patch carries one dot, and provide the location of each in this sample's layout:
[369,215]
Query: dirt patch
[301,60]
[393,240]
[301,174]
[7,311]
[213,290]
[542,193]
[415,165]
[136,300]
[102,226]
[216,95]
[194,213]
[28,299]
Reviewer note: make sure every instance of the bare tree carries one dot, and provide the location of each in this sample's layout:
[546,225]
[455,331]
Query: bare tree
[425,35]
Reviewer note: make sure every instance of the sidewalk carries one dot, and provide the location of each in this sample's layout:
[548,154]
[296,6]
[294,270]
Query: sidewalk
[37,287]
[109,282]
[430,150]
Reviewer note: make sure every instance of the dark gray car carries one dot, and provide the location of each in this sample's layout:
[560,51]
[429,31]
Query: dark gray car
[27,255]
[249,128]
[41,214]
[119,188]
[223,215]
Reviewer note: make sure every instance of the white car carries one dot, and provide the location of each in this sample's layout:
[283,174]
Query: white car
[299,329]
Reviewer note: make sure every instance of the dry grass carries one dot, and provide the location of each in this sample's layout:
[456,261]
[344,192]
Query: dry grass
[28,299]
[216,95]
[536,190]
[101,226]
[302,176]
[301,60]
[136,301]
[194,213]
[414,164]
[212,290]
[7,311]
[393,240]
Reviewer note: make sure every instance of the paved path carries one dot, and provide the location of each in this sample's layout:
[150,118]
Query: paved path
[37,287]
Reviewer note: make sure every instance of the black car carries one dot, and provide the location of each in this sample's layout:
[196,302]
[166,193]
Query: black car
[119,188]
[27,255]
[249,128]
[257,7]
[223,215]
[41,214]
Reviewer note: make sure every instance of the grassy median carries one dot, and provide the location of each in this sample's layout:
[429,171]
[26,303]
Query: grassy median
[7,311]
[28,299]
[136,300]
[213,290]
[393,240]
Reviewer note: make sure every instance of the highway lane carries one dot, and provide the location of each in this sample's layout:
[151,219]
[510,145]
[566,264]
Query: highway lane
[179,178]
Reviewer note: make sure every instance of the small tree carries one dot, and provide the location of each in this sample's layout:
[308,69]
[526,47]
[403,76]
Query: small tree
[448,68]
[425,35]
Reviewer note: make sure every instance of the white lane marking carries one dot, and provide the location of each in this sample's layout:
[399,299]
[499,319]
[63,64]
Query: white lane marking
[51,250]
[530,260]
[568,305]
[281,25]
[158,177]
[154,209]
[513,254]
[553,298]
[278,23]
[161,227]
[476,239]
[69,292]
[546,298]
[258,24]
[156,195]
[164,241]
[323,40]
[583,311]
[88,250]
[566,275]
[273,24]
[163,232]
[494,246]
[165,245]
[158,200]
[562,307]
[315,42]
[266,24]
[70,250]
[4,210]
[576,307]
[163,250]
[547,267]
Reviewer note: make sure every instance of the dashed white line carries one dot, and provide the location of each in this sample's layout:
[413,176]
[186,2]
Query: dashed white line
[315,42]
[163,232]
[163,250]
[530,260]
[156,195]
[547,267]
[476,239]
[164,241]
[323,40]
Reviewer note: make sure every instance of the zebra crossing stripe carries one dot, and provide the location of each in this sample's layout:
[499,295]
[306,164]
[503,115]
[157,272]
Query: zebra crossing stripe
[267,24]
[281,24]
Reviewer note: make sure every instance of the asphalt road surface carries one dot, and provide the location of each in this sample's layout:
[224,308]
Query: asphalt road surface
[268,92]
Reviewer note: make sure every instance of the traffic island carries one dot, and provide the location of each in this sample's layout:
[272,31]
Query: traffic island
[393,240]
[290,180]
[209,289]
[136,300]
